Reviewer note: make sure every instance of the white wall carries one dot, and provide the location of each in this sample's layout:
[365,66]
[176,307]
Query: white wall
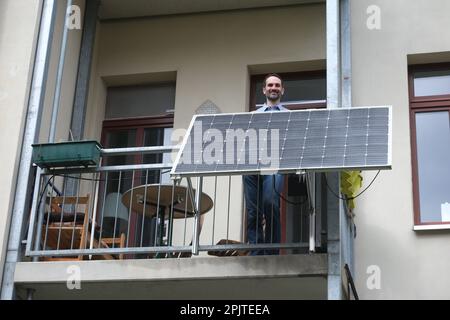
[18,23]
[413,265]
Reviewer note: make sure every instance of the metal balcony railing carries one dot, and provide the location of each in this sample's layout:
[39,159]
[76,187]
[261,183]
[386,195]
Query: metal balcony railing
[119,211]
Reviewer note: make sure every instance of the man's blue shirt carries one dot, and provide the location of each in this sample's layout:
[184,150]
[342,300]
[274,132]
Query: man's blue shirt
[266,108]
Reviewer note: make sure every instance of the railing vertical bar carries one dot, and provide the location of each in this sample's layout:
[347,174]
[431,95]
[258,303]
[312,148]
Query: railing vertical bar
[170,231]
[257,210]
[143,208]
[115,215]
[271,215]
[185,215]
[214,210]
[130,210]
[228,210]
[62,214]
[95,183]
[102,214]
[196,233]
[91,210]
[158,218]
[75,213]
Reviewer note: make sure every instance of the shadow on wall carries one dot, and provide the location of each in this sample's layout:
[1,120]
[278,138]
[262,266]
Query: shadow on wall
[3,13]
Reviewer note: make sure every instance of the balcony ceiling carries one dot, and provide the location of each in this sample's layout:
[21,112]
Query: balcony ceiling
[118,9]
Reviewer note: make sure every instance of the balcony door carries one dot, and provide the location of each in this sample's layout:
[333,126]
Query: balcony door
[137,116]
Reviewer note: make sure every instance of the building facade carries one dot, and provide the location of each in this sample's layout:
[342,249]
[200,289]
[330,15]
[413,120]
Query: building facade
[122,74]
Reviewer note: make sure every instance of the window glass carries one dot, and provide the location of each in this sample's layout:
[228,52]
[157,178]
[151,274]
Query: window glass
[119,139]
[432,83]
[433,157]
[140,101]
[152,137]
[297,91]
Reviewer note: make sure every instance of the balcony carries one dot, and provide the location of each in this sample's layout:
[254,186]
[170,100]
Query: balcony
[131,226]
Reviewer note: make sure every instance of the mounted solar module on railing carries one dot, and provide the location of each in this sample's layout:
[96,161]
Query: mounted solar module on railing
[290,141]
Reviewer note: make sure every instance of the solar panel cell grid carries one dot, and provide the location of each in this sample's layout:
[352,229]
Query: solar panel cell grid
[245,143]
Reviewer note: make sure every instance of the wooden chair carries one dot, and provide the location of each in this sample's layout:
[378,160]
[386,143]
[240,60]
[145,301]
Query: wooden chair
[71,229]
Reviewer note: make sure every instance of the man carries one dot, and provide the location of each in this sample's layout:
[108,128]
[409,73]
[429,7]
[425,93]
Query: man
[262,191]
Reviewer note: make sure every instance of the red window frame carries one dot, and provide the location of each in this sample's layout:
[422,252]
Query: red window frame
[140,124]
[418,105]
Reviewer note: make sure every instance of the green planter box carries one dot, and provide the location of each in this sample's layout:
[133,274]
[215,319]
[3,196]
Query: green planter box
[67,154]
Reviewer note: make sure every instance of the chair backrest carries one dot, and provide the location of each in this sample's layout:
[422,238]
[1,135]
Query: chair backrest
[57,203]
[64,208]
[114,206]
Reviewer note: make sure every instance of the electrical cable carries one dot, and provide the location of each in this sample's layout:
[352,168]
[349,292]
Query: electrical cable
[44,189]
[286,200]
[77,178]
[351,198]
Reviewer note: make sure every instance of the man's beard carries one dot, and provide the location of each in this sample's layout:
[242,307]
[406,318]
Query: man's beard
[273,96]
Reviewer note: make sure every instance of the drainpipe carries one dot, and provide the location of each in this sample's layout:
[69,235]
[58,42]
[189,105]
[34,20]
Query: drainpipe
[33,118]
[59,75]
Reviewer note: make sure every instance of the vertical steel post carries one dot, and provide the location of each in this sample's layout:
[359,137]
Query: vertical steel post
[346,92]
[59,76]
[333,101]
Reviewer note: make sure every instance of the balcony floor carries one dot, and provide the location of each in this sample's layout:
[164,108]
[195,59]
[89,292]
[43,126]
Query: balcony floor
[302,276]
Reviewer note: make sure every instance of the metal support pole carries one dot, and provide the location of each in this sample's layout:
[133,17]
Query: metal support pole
[346,92]
[59,76]
[35,106]
[311,181]
[346,54]
[333,101]
[333,54]
[334,238]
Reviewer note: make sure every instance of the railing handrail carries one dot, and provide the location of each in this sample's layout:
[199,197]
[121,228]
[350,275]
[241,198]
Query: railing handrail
[127,167]
[144,150]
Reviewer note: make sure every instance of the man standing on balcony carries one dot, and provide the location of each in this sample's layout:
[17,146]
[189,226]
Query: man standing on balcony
[262,191]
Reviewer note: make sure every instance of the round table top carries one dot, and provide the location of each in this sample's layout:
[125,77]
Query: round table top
[167,194]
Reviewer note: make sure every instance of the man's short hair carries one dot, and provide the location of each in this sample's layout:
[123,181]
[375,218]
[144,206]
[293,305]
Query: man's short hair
[272,75]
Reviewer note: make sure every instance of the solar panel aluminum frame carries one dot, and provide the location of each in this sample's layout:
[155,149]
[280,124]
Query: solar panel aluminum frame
[269,171]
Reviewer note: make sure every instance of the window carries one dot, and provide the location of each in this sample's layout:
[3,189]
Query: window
[136,116]
[303,90]
[430,140]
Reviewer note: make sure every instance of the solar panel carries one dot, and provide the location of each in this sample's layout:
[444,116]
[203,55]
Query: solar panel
[286,141]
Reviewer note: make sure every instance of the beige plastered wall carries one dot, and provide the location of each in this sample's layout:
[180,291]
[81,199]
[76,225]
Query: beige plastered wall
[18,23]
[211,57]
[411,264]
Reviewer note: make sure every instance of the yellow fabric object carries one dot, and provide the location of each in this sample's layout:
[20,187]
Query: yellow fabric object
[351,182]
